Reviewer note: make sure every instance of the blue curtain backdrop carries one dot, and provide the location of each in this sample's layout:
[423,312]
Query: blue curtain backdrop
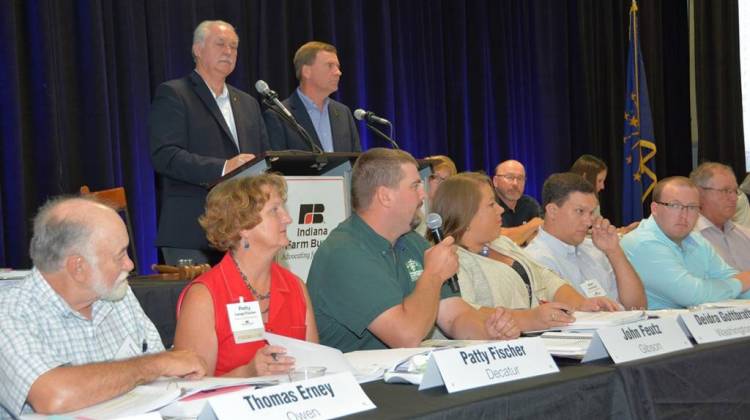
[481,81]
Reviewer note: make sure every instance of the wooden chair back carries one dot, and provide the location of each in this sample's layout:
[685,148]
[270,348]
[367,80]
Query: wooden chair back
[116,198]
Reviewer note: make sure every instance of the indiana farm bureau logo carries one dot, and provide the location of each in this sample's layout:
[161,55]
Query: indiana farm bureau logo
[310,214]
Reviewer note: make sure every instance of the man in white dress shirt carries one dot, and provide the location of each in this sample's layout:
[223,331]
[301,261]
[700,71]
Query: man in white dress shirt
[596,266]
[718,190]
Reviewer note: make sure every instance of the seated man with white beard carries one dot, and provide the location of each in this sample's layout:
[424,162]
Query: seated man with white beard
[73,332]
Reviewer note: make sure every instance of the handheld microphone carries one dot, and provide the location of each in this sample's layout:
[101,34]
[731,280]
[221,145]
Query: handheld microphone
[435,225]
[362,115]
[262,87]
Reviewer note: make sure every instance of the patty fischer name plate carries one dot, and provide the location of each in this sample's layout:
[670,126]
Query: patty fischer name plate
[712,325]
[638,340]
[325,397]
[487,364]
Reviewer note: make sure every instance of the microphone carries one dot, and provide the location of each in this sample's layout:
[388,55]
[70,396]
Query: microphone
[435,225]
[262,87]
[369,118]
[362,115]
[271,98]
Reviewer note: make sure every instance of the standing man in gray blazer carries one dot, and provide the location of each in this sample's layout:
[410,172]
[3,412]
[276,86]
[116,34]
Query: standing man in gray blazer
[329,122]
[199,129]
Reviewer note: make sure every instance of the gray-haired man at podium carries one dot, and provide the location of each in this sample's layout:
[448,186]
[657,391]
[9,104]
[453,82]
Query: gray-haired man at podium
[199,129]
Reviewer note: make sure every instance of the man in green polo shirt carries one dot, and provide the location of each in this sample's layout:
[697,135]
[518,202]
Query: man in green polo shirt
[374,283]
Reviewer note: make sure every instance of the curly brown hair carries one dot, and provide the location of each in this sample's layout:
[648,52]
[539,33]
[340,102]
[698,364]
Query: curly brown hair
[235,205]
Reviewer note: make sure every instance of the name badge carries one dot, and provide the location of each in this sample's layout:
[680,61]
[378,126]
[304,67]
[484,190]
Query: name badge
[717,324]
[325,397]
[638,340]
[246,321]
[486,364]
[592,288]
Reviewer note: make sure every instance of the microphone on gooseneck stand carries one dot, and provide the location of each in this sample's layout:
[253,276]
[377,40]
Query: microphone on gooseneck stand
[262,87]
[271,100]
[435,225]
[370,118]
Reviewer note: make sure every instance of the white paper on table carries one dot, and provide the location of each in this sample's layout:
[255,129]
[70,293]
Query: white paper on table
[191,407]
[140,400]
[211,383]
[308,354]
[666,313]
[567,344]
[729,303]
[596,320]
[371,365]
[438,342]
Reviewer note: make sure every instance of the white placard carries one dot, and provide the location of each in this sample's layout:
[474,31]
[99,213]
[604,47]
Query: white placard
[638,340]
[486,364]
[712,325]
[326,397]
[316,205]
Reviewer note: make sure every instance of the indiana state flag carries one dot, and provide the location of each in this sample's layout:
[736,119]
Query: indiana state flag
[639,177]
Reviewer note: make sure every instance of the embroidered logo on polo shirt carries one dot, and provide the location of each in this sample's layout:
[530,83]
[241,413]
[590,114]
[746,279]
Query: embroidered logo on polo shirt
[414,268]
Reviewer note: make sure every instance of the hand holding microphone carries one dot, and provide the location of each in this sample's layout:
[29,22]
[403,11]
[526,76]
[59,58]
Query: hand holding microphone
[443,255]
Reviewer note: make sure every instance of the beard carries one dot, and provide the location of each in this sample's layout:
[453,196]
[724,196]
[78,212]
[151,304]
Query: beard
[417,219]
[115,293]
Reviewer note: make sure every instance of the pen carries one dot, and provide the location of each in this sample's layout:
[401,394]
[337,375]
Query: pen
[145,345]
[544,302]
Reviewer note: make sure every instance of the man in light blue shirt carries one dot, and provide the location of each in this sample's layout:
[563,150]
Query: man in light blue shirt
[73,332]
[329,122]
[595,266]
[678,266]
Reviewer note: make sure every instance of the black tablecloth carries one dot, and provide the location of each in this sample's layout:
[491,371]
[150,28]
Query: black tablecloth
[707,381]
[576,392]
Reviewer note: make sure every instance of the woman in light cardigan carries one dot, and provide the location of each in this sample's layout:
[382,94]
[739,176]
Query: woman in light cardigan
[494,271]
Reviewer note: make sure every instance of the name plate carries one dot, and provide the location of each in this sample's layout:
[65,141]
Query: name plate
[712,325]
[486,364]
[326,397]
[638,340]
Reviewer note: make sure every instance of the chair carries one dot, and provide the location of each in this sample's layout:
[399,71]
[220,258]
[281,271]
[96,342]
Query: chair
[116,198]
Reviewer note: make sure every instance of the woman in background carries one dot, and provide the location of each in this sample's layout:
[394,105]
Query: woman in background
[594,170]
[245,218]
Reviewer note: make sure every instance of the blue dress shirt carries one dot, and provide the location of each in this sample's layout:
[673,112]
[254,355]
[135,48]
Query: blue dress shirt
[320,120]
[678,276]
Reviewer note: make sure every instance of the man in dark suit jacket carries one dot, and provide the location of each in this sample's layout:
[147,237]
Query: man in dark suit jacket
[329,122]
[199,129]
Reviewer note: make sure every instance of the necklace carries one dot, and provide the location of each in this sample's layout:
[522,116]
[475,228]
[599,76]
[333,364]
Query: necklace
[255,293]
[485,251]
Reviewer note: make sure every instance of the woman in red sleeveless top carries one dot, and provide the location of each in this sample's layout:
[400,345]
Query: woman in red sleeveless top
[247,219]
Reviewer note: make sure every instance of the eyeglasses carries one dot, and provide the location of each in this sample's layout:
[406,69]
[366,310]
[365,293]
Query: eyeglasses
[511,178]
[725,191]
[680,207]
